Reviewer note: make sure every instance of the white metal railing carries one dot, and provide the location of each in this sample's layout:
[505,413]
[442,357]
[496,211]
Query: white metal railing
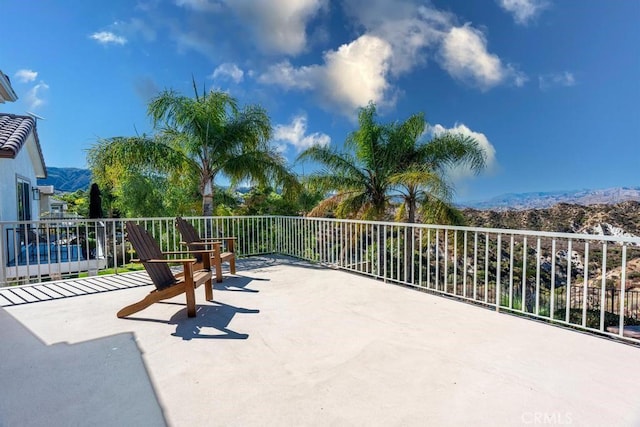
[582,281]
[35,251]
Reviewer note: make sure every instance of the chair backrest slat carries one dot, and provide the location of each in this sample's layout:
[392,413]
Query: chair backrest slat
[190,235]
[147,248]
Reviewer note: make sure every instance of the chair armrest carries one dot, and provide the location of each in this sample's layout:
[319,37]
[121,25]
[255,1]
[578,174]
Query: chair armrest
[202,244]
[230,242]
[200,251]
[211,239]
[165,261]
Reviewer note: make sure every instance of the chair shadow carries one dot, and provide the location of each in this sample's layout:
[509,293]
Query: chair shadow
[216,316]
[237,283]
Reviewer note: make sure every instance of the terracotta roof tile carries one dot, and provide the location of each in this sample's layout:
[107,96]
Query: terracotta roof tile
[14,131]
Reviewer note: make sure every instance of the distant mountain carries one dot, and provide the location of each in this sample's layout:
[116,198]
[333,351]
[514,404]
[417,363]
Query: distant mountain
[541,200]
[621,219]
[67,180]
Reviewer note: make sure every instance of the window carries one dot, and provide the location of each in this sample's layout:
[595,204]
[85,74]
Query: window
[24,199]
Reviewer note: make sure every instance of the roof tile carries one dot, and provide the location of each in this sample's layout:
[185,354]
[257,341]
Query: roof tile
[14,131]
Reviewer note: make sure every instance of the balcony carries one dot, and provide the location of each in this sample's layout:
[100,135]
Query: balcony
[335,322]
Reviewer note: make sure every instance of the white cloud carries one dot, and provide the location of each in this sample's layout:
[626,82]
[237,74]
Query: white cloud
[396,38]
[280,26]
[34,98]
[556,79]
[459,173]
[349,78]
[464,55]
[228,71]
[196,41]
[523,11]
[107,37]
[295,134]
[408,28]
[357,73]
[200,5]
[133,28]
[289,77]
[26,76]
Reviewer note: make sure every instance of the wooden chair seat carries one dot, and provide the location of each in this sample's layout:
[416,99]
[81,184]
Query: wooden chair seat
[168,285]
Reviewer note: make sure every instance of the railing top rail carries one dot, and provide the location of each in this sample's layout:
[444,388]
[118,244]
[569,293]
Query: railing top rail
[535,233]
[501,231]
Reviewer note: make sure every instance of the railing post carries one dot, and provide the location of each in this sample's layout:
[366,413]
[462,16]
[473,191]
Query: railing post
[498,270]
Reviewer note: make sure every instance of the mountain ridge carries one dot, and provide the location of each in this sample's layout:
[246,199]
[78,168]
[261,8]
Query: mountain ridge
[67,180]
[544,200]
[620,219]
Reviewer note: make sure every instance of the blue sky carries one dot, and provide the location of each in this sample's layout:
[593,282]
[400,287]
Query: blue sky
[550,88]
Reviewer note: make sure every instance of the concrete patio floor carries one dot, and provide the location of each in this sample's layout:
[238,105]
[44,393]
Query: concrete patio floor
[287,343]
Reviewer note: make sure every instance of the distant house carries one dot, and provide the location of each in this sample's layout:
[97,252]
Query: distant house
[34,248]
[6,91]
[52,207]
[21,164]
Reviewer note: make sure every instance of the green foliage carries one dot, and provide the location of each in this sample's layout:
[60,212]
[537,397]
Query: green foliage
[266,201]
[360,179]
[388,160]
[633,275]
[77,202]
[422,167]
[198,139]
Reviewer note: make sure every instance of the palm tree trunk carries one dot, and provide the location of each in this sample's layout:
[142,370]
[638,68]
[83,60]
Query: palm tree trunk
[207,199]
[412,212]
[410,239]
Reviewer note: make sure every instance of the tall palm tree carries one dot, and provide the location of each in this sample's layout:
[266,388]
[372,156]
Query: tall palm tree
[421,171]
[359,181]
[206,136]
[389,160]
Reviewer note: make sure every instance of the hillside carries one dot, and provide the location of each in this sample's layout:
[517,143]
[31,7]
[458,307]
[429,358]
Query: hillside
[621,219]
[541,200]
[615,219]
[67,179]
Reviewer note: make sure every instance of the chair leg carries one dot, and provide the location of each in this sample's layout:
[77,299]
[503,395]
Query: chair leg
[190,290]
[232,265]
[208,290]
[153,297]
[136,307]
[218,270]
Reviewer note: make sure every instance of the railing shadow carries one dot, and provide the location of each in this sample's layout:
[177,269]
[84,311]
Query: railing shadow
[255,263]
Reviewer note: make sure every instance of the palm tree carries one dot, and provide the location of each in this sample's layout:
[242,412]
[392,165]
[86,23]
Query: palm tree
[359,181]
[422,166]
[206,136]
[393,160]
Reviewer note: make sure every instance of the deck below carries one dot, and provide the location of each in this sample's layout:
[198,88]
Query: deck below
[289,343]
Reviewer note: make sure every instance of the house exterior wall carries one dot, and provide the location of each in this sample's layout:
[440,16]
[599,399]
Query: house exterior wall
[10,169]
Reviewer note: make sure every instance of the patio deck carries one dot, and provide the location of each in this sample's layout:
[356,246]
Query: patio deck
[289,343]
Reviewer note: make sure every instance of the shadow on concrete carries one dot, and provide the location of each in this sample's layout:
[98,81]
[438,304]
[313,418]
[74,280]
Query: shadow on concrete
[237,283]
[208,317]
[258,262]
[101,382]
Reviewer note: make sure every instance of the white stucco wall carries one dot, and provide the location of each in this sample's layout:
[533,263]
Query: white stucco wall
[21,166]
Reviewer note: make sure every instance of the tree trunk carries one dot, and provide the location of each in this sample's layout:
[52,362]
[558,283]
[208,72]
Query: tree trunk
[410,239]
[207,199]
[411,211]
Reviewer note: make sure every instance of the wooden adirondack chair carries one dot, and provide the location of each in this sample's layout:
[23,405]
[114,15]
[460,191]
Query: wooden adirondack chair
[167,284]
[194,242]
